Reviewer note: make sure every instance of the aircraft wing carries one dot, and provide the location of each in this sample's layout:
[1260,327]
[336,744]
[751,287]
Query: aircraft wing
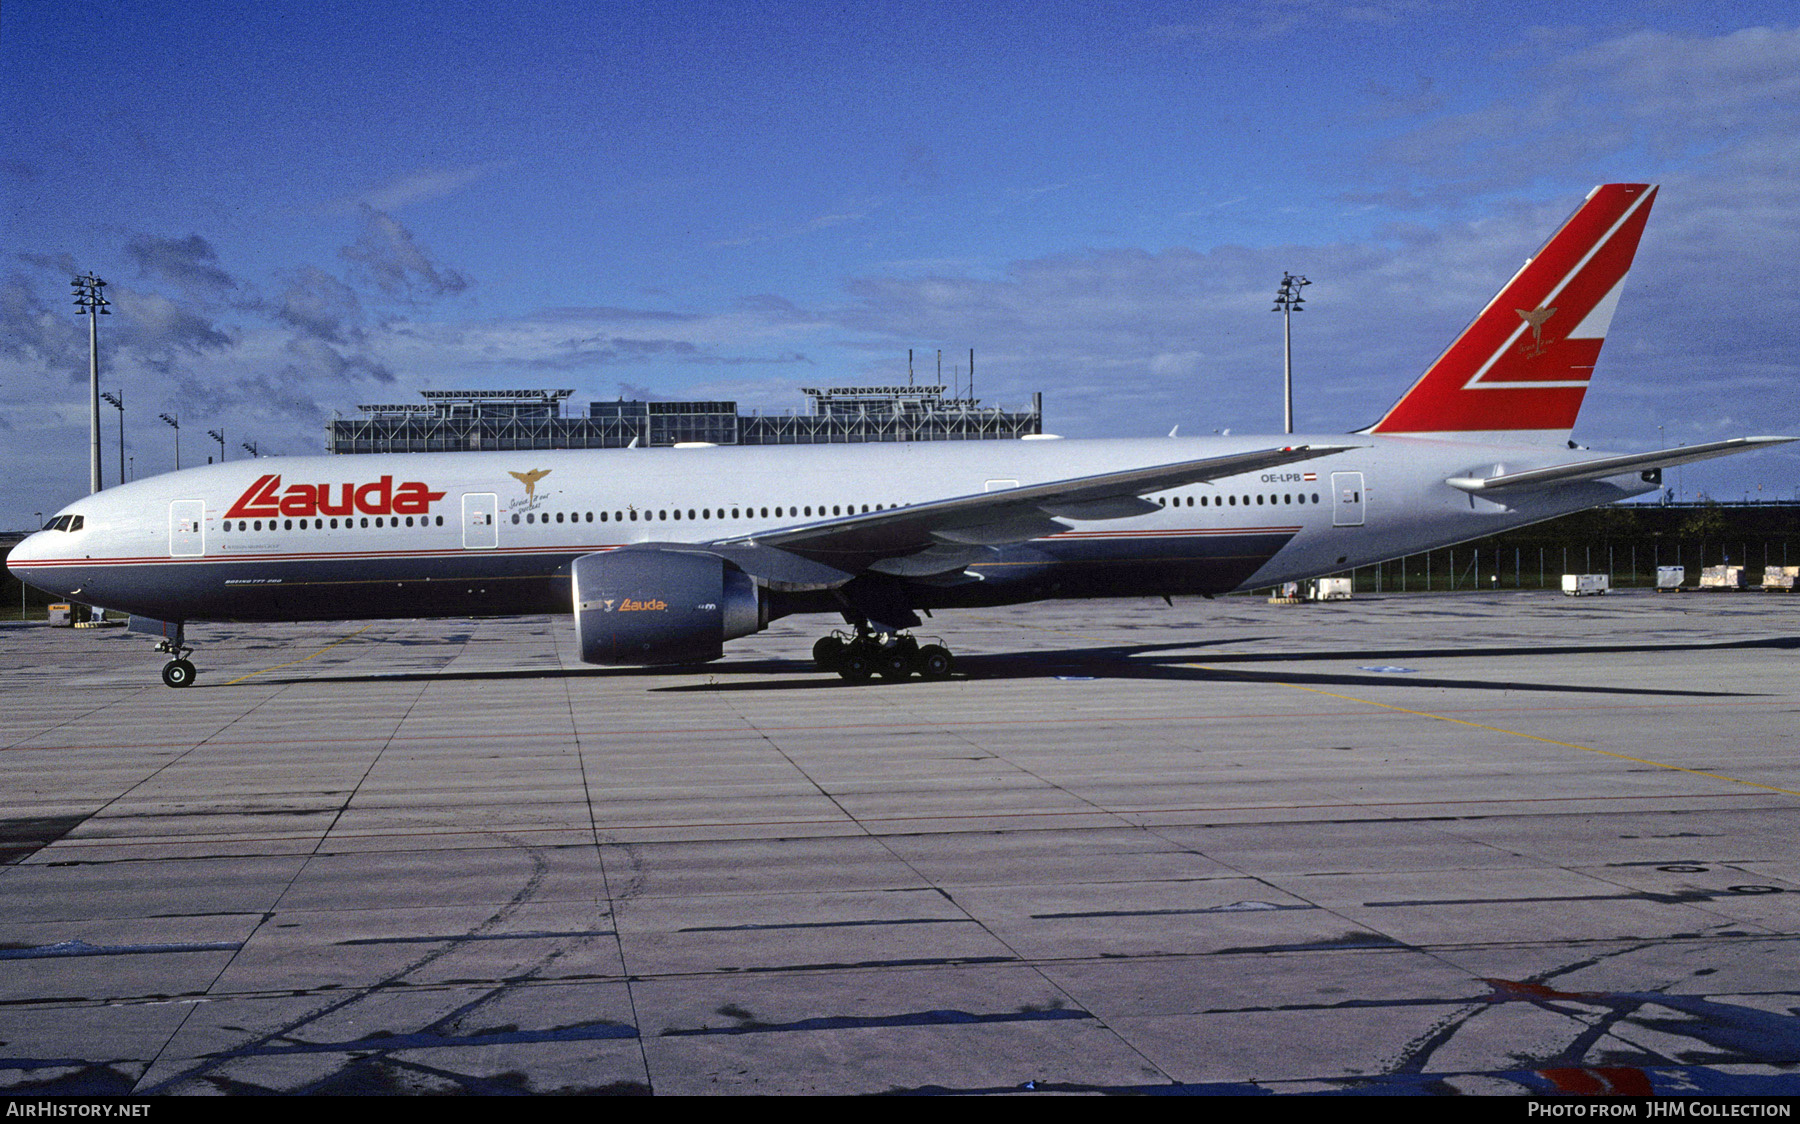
[943,536]
[1578,471]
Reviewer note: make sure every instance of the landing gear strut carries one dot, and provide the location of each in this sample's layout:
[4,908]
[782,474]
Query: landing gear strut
[178,672]
[895,656]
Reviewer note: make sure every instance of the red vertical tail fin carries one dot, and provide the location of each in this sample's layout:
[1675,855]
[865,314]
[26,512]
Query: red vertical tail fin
[1523,365]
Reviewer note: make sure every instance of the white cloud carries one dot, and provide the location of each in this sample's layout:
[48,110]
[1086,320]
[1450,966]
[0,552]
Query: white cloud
[1262,20]
[597,344]
[1654,96]
[421,186]
[387,254]
[777,232]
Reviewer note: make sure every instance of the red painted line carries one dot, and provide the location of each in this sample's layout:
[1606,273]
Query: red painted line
[848,820]
[564,548]
[216,559]
[599,734]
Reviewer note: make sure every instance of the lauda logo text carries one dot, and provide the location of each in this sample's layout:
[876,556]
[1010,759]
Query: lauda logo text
[266,497]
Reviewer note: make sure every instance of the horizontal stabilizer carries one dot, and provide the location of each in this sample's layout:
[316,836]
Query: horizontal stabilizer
[1603,467]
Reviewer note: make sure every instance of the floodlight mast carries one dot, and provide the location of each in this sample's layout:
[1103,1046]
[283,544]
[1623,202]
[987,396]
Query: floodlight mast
[175,422]
[118,403]
[1287,302]
[91,303]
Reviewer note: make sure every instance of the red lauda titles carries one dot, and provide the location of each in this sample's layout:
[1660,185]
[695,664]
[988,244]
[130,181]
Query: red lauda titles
[266,497]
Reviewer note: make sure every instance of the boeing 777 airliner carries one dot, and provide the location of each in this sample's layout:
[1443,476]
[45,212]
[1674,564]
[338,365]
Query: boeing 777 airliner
[662,555]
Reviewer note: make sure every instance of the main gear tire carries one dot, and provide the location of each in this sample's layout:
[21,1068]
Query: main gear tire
[827,650]
[935,662]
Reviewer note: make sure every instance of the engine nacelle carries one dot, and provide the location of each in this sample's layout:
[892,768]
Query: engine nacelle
[657,606]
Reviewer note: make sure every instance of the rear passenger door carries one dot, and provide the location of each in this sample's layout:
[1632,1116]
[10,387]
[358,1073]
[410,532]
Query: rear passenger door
[1347,499]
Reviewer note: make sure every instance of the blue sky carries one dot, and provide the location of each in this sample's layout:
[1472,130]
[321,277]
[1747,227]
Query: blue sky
[303,207]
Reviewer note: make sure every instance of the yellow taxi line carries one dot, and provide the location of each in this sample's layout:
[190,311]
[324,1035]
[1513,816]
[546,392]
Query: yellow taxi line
[1535,738]
[302,659]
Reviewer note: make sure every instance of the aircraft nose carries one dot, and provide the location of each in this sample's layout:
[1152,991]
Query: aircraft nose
[28,550]
[25,550]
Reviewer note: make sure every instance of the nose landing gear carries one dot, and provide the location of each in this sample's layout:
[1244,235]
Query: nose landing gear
[895,656]
[178,672]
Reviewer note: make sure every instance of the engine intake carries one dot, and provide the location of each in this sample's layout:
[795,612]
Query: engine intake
[661,606]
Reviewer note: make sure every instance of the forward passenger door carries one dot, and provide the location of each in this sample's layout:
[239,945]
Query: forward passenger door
[187,528]
[481,520]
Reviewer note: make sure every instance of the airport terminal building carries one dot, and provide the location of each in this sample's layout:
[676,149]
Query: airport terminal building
[451,420]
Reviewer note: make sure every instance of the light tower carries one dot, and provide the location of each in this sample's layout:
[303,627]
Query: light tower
[174,421]
[1287,302]
[118,403]
[219,436]
[90,302]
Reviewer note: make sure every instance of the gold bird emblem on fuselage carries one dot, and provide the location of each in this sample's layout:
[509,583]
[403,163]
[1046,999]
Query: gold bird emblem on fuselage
[530,479]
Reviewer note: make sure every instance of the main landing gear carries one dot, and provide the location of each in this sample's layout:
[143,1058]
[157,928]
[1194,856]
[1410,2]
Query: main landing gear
[178,672]
[895,656]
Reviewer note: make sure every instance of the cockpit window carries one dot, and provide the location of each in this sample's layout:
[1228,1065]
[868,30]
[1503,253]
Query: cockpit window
[64,523]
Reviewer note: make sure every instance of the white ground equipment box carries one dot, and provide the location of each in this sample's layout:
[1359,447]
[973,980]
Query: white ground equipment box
[1586,585]
[1331,589]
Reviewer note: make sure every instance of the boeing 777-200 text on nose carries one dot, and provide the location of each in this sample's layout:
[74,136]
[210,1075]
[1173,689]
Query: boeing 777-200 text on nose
[662,555]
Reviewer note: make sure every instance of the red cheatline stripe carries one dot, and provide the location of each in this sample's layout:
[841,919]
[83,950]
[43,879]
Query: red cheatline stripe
[216,559]
[348,556]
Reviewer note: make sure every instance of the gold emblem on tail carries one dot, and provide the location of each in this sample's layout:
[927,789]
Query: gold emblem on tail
[1536,318]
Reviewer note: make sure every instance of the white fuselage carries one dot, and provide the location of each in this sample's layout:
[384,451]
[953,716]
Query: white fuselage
[407,535]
